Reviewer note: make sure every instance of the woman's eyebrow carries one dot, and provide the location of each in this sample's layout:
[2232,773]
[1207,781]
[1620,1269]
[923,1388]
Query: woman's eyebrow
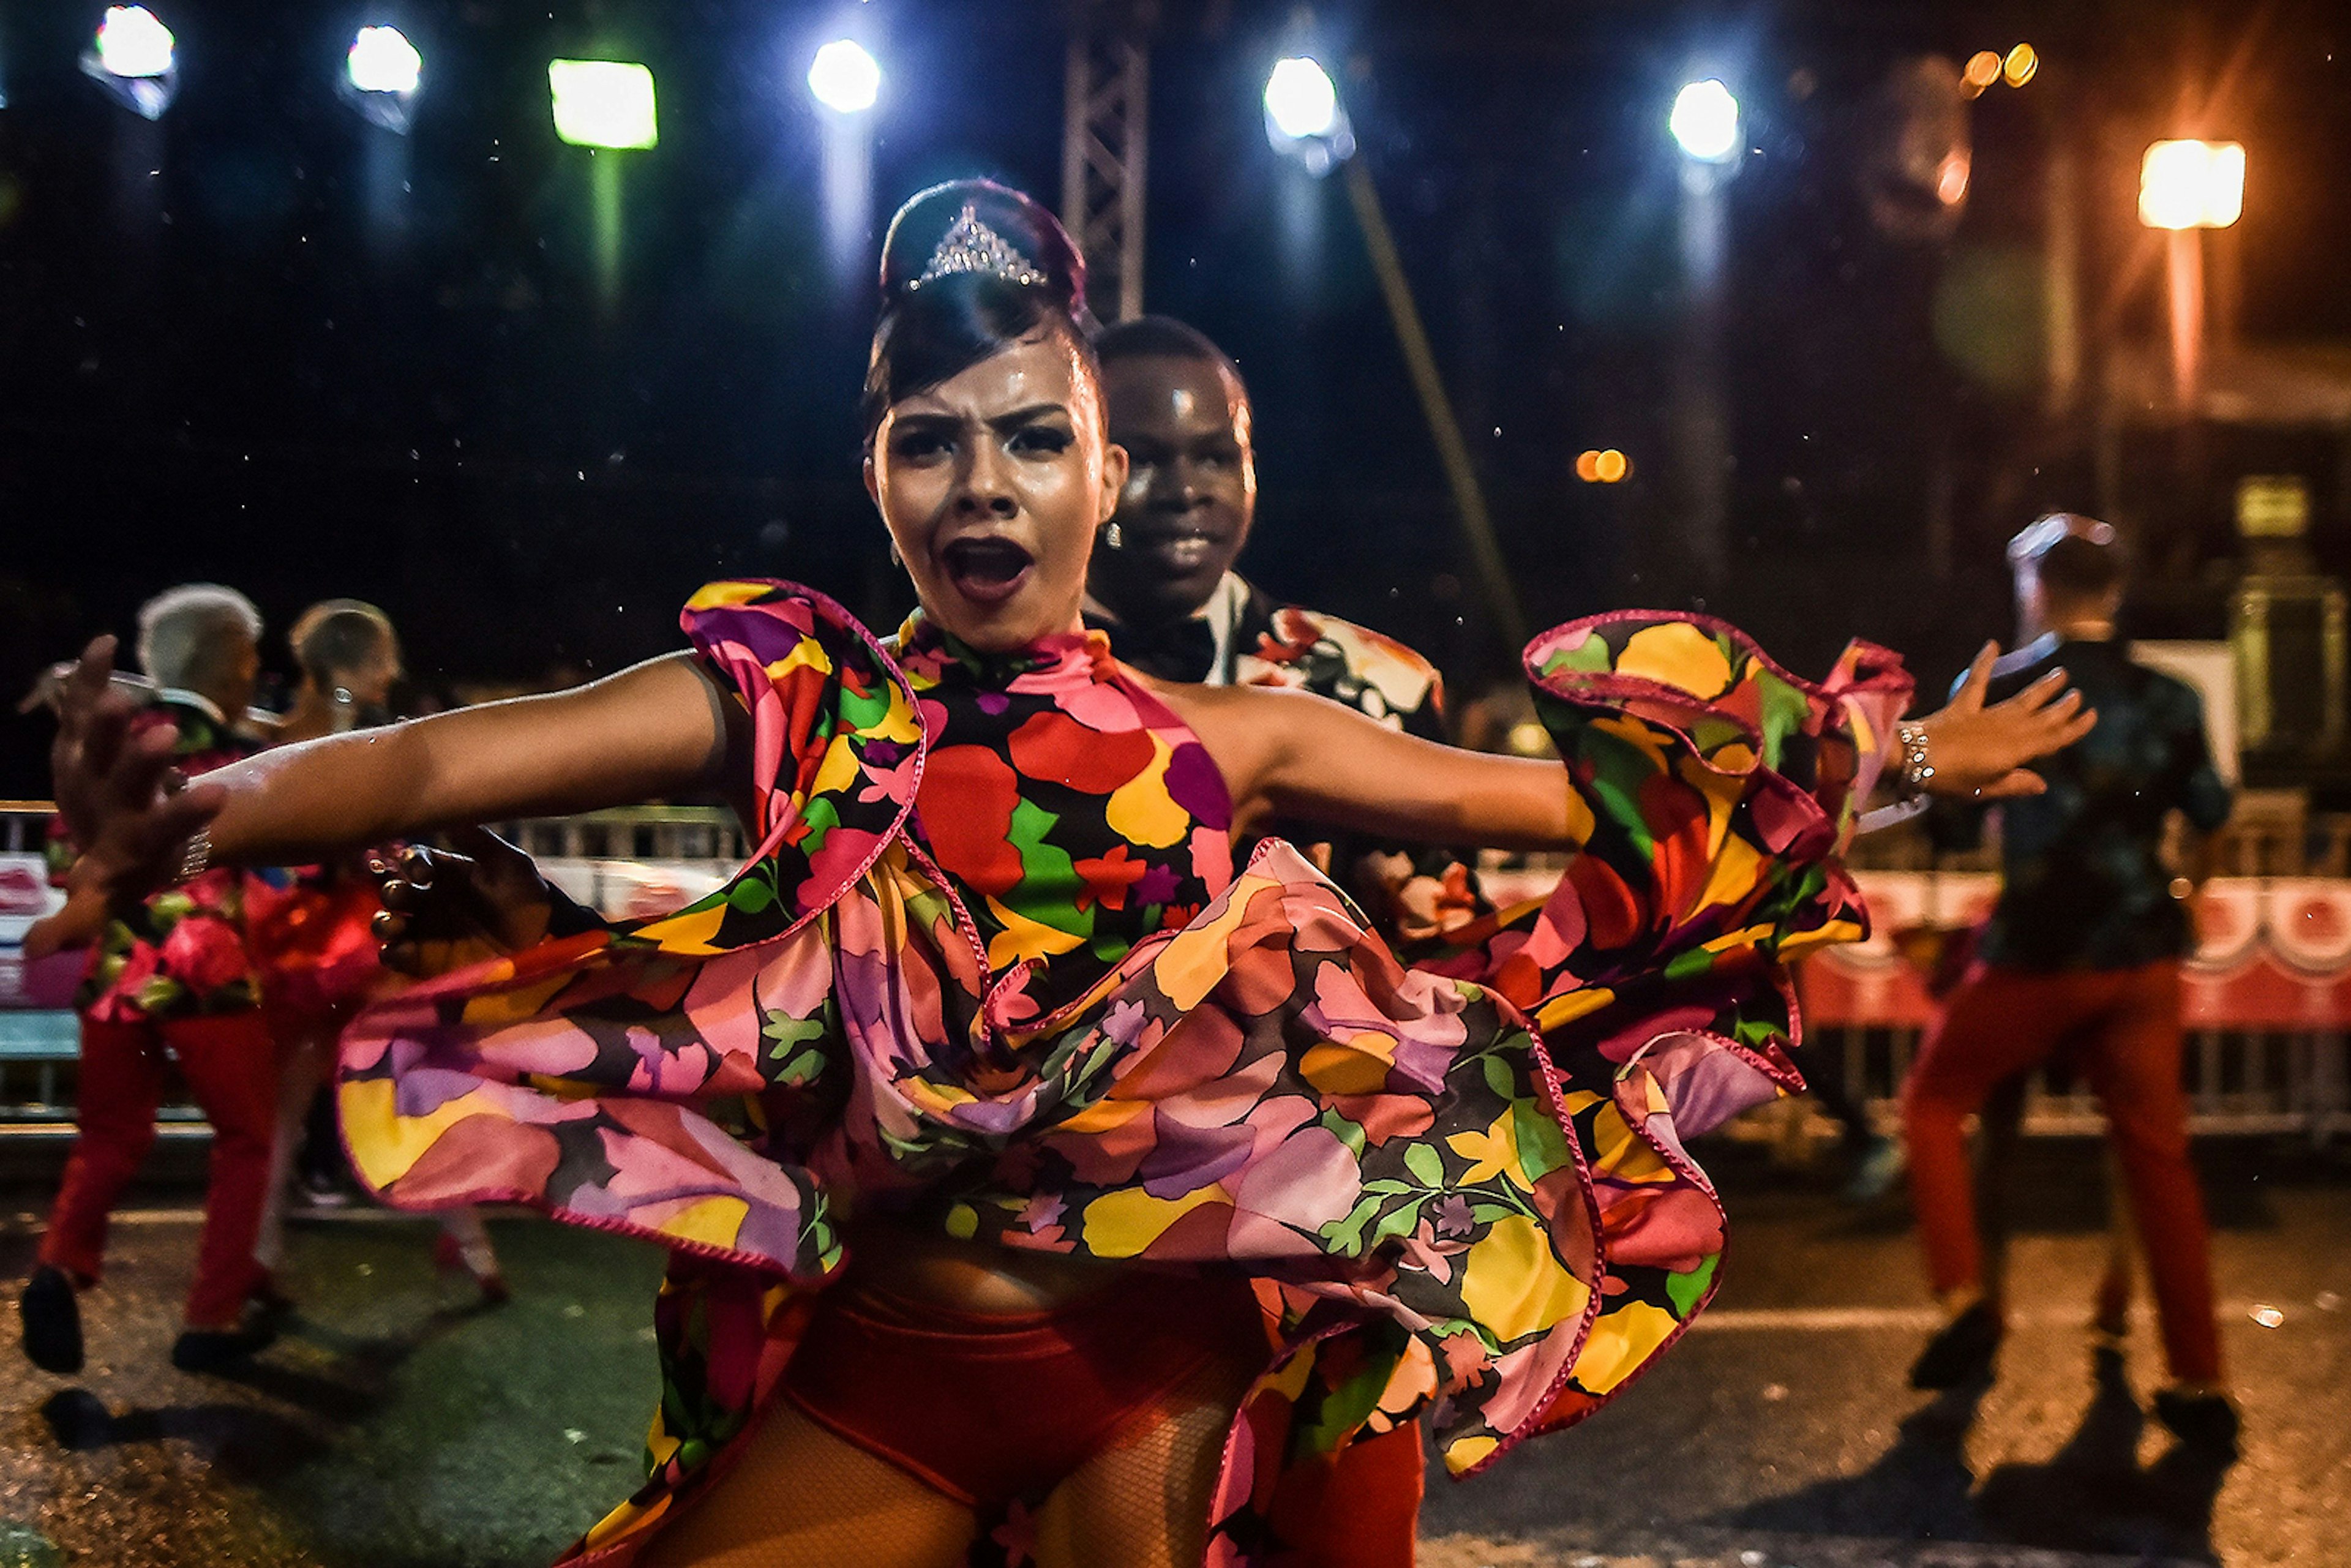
[1030,414]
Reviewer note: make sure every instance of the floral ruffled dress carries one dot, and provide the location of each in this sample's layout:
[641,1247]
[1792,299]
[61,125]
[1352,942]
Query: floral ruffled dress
[991,967]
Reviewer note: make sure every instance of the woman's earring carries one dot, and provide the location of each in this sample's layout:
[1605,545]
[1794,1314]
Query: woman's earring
[895,558]
[1111,537]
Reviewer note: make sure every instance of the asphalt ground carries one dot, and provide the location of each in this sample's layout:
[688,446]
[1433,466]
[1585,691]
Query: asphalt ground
[400,1423]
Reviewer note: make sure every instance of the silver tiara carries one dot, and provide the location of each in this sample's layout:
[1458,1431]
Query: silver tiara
[970,245]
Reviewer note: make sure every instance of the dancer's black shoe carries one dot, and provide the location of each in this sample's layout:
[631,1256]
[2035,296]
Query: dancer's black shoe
[1962,1354]
[52,1321]
[217,1350]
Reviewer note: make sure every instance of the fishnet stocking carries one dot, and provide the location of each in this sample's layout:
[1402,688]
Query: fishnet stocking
[802,1498]
[1142,1501]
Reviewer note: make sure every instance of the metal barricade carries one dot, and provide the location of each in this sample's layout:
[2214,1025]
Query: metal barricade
[39,1040]
[636,863]
[2239,1081]
[646,861]
[2266,1003]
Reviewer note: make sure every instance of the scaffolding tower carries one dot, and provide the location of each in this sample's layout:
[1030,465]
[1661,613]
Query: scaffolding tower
[1104,141]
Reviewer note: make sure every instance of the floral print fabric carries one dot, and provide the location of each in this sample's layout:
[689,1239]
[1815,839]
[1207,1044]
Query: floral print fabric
[1459,1190]
[1291,646]
[1078,811]
[182,954]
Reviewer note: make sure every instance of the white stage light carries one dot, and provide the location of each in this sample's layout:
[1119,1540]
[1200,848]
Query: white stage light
[604,103]
[384,61]
[133,45]
[1705,121]
[134,58]
[1299,99]
[844,77]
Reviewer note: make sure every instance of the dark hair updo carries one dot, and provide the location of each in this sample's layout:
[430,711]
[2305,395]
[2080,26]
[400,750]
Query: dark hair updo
[937,328]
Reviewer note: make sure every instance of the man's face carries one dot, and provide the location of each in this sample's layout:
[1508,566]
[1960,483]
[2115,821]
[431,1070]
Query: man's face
[1185,511]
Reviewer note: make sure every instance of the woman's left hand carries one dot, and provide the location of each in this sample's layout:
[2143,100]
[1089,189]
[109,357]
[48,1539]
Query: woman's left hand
[446,909]
[1979,752]
[131,813]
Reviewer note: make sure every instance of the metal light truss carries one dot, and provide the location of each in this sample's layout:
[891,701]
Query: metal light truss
[1103,144]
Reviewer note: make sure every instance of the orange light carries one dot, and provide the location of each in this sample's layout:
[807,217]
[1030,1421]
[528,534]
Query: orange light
[1587,468]
[2019,68]
[1611,465]
[1983,69]
[2192,186]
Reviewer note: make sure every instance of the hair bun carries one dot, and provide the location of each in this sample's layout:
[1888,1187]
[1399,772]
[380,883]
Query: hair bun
[1035,249]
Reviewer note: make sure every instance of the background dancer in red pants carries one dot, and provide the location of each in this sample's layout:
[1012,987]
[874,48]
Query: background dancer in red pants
[168,975]
[2085,946]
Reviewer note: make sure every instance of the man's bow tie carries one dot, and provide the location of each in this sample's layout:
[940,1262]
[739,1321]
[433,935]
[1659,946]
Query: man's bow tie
[1183,650]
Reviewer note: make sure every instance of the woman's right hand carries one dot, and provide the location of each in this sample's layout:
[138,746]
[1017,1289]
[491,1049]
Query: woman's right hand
[130,811]
[444,909]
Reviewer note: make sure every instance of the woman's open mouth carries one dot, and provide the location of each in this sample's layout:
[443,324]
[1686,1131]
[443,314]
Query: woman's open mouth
[987,570]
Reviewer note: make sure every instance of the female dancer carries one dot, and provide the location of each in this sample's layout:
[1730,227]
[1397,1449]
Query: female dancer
[1139,1186]
[314,942]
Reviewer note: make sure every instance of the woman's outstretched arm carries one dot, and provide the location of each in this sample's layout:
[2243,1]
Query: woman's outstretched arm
[1291,755]
[1298,756]
[657,729]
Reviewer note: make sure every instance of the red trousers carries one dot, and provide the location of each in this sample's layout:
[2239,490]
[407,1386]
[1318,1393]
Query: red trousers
[2126,1025]
[231,1065]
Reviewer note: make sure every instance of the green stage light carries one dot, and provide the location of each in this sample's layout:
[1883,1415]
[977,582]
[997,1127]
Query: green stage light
[603,103]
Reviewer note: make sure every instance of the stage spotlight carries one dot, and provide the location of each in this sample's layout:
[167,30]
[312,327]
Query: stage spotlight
[135,59]
[384,61]
[1705,122]
[1303,117]
[2023,61]
[844,77]
[2192,186]
[1301,100]
[379,76]
[132,44]
[604,103]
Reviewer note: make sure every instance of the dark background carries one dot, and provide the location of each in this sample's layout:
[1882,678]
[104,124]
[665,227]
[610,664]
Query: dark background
[263,342]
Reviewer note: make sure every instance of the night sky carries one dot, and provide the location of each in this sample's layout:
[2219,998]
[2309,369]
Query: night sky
[263,342]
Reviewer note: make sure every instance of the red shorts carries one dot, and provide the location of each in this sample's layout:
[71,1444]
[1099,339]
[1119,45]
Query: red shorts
[988,1408]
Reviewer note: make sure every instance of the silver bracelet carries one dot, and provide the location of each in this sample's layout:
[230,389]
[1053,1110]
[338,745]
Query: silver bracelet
[1917,767]
[1886,816]
[195,855]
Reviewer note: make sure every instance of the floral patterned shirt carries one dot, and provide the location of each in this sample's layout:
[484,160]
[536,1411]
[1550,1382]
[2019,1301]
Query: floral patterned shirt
[182,954]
